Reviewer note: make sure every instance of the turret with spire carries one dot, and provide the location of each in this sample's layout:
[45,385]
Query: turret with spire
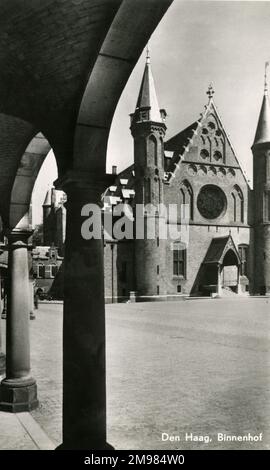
[148,129]
[261,178]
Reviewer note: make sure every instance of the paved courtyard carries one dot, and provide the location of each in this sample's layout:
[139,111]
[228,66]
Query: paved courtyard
[195,366]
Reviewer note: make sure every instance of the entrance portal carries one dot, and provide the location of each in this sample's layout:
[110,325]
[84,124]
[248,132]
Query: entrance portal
[221,267]
[230,271]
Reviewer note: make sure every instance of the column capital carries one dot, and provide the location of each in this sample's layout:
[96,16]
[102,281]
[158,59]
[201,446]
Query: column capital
[18,236]
[84,183]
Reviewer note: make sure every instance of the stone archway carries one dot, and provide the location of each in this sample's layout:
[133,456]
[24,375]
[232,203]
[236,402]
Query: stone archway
[221,267]
[229,271]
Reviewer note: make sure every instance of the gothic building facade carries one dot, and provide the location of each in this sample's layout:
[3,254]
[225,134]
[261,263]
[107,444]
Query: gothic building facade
[227,248]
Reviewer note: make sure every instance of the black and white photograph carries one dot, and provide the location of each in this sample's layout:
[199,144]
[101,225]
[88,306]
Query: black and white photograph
[134,228]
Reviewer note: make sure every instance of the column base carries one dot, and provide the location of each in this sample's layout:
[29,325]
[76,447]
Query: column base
[2,363]
[79,446]
[18,395]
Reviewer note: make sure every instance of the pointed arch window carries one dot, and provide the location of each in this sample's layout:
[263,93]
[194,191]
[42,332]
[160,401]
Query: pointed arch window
[186,197]
[234,207]
[159,192]
[153,149]
[238,205]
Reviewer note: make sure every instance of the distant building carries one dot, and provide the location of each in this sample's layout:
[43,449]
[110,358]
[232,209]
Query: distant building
[47,271]
[54,219]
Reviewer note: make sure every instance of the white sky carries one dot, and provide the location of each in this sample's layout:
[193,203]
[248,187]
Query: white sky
[197,42]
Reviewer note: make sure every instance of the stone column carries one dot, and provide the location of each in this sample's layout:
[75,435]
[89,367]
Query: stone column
[18,391]
[84,378]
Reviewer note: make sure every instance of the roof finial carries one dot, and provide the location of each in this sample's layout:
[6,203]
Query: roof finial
[210,92]
[147,54]
[265,78]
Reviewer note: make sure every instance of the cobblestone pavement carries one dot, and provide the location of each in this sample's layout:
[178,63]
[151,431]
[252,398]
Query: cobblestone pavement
[196,366]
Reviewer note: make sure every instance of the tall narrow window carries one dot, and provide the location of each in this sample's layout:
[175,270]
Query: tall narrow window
[238,205]
[186,197]
[190,193]
[179,260]
[234,207]
[241,199]
[147,191]
[159,192]
[243,253]
[153,149]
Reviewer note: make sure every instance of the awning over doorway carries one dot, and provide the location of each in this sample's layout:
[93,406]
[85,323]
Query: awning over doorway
[218,248]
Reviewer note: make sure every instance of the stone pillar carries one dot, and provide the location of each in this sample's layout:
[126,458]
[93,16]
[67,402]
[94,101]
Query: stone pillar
[84,378]
[18,391]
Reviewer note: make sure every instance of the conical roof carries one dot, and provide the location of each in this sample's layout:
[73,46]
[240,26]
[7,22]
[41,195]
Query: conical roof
[263,128]
[147,96]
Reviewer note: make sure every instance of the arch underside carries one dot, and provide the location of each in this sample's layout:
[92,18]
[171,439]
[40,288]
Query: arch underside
[63,69]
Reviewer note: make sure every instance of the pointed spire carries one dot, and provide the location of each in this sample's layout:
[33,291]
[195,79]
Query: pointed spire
[147,99]
[263,128]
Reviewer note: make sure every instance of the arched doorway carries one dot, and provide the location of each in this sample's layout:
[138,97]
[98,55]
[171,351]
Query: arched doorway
[221,267]
[229,271]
